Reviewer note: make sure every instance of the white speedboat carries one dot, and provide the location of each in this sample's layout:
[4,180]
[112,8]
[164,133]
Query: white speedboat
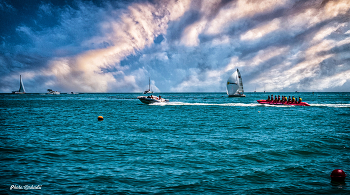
[21,87]
[49,91]
[234,86]
[152,99]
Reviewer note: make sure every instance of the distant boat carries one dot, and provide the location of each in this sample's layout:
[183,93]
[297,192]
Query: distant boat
[149,87]
[50,91]
[234,86]
[21,87]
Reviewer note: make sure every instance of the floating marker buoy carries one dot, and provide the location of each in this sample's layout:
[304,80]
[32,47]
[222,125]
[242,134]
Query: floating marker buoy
[338,175]
[100,118]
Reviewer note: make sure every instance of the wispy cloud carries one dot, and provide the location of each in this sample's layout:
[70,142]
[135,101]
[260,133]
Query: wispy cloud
[182,45]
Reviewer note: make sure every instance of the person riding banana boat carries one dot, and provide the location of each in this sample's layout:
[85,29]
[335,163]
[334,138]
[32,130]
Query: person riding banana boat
[283,100]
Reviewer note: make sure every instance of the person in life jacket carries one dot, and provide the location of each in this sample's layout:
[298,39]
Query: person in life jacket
[268,98]
[289,100]
[300,100]
[271,97]
[285,99]
[293,99]
[275,98]
[279,98]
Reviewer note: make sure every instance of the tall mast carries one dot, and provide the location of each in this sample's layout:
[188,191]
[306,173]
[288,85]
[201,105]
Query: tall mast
[149,83]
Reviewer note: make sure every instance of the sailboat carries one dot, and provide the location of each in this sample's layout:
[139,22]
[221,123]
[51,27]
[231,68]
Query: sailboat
[234,86]
[149,87]
[21,87]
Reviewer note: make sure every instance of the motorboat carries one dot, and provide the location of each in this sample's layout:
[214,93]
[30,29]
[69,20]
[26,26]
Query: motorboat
[50,91]
[234,86]
[21,87]
[152,99]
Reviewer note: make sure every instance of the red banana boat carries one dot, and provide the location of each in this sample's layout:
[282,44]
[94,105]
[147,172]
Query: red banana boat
[282,103]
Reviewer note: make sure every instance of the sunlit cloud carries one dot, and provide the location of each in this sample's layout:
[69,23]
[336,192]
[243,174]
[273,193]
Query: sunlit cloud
[261,31]
[240,9]
[136,29]
[182,45]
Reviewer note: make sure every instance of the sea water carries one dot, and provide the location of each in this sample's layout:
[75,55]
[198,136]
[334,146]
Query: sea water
[198,143]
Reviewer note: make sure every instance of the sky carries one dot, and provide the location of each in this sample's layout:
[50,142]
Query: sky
[181,45]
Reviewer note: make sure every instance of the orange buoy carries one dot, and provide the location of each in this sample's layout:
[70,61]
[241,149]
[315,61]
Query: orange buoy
[100,118]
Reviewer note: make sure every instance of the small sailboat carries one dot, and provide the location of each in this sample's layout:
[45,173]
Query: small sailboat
[234,86]
[149,87]
[21,87]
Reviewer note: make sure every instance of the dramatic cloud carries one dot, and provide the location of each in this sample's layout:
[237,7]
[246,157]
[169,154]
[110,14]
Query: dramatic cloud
[183,45]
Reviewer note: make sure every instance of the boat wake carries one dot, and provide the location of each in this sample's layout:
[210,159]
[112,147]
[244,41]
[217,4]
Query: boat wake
[332,105]
[205,104]
[244,104]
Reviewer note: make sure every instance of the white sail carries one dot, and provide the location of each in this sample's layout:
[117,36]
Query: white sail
[234,86]
[21,86]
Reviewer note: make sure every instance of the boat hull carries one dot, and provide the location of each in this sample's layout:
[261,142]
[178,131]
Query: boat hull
[236,95]
[282,104]
[18,92]
[147,100]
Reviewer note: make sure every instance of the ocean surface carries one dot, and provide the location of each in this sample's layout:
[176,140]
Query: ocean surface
[198,143]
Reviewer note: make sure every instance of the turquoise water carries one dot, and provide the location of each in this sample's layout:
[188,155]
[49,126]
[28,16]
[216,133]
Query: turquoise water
[198,143]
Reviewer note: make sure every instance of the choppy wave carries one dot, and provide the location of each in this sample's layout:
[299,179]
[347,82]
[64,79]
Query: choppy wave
[191,144]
